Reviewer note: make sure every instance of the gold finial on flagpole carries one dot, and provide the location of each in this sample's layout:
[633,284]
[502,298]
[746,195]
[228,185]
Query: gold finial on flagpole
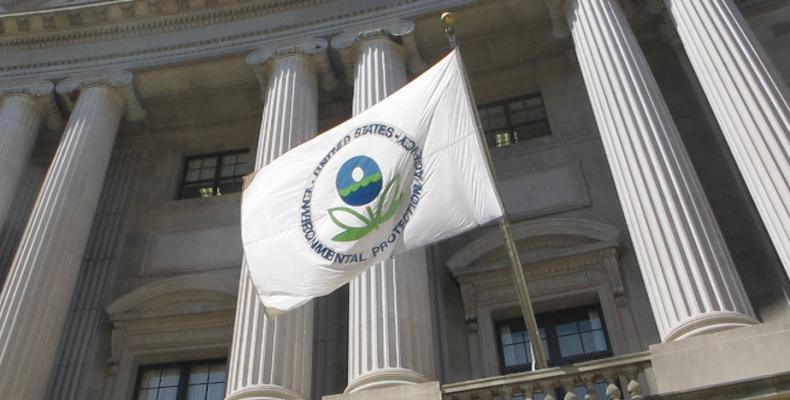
[449,27]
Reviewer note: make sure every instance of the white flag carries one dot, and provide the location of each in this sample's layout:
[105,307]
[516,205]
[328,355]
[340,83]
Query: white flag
[405,173]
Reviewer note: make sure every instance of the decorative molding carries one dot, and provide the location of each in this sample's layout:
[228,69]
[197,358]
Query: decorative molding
[184,311]
[120,82]
[231,43]
[597,231]
[136,15]
[162,287]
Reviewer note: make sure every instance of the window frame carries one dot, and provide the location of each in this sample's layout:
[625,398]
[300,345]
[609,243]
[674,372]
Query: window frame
[217,169]
[490,136]
[548,321]
[184,368]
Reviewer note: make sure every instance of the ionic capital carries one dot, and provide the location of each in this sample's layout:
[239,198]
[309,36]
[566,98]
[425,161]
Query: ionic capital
[313,48]
[401,32]
[121,83]
[42,93]
[564,8]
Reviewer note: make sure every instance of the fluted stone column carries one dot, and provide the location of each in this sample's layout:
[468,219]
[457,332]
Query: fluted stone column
[36,296]
[80,341]
[22,108]
[390,327]
[687,269]
[750,100]
[272,358]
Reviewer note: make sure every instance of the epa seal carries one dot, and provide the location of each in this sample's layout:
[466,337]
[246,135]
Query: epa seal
[362,194]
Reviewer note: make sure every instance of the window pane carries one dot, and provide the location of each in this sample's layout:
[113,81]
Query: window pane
[600,341]
[170,377]
[198,374]
[192,176]
[509,354]
[194,163]
[209,162]
[170,393]
[567,328]
[532,130]
[534,101]
[595,319]
[229,159]
[535,114]
[243,169]
[147,394]
[207,173]
[504,332]
[229,185]
[493,118]
[522,355]
[196,392]
[226,170]
[570,346]
[216,391]
[217,373]
[150,378]
[243,157]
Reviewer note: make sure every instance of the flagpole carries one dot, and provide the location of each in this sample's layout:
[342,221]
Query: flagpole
[524,299]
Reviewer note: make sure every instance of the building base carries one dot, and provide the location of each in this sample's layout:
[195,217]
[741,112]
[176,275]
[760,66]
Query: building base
[422,391]
[724,357]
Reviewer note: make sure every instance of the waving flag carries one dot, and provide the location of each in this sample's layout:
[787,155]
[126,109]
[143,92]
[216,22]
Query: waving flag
[405,173]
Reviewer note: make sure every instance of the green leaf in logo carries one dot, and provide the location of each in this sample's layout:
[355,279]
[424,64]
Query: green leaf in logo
[386,207]
[388,202]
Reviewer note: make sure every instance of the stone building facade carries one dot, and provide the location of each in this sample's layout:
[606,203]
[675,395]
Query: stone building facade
[641,148]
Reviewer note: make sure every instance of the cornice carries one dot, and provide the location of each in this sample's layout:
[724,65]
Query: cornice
[111,19]
[231,43]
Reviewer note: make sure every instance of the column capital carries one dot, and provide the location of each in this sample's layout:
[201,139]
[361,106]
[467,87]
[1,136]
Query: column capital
[42,93]
[312,48]
[121,83]
[402,31]
[567,6]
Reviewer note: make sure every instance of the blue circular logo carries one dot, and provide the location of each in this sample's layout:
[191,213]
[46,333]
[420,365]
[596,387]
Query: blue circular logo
[359,181]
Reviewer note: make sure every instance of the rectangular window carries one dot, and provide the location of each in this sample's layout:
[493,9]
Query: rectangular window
[568,336]
[214,174]
[200,380]
[509,121]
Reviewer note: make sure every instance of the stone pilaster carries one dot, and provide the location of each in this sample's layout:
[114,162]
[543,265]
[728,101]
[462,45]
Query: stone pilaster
[22,108]
[688,272]
[271,358]
[390,328]
[36,295]
[751,103]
